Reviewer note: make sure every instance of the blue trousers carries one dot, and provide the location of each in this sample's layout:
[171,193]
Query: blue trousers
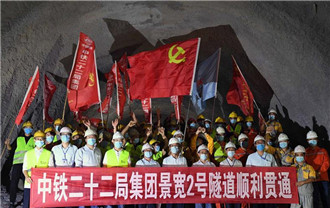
[203,206]
[114,206]
[146,205]
[26,198]
[174,205]
[233,205]
[321,190]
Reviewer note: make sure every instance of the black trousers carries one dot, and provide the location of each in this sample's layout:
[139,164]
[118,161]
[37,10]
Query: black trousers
[16,174]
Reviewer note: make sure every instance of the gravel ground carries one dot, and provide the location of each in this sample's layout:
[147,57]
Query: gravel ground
[5,198]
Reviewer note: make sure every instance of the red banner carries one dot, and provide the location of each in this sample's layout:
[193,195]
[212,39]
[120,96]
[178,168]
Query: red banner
[29,96]
[49,90]
[146,106]
[122,65]
[261,119]
[106,104]
[239,92]
[63,187]
[166,71]
[121,98]
[83,84]
[176,101]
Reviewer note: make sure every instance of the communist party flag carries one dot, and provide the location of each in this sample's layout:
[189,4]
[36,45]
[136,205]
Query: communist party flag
[49,90]
[176,101]
[146,106]
[121,98]
[166,71]
[83,84]
[239,92]
[106,104]
[29,96]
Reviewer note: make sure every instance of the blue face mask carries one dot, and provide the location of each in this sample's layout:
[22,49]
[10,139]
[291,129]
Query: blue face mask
[65,138]
[220,138]
[28,130]
[136,140]
[180,140]
[118,145]
[283,145]
[49,139]
[174,150]
[231,153]
[204,157]
[147,154]
[207,125]
[300,159]
[57,128]
[312,142]
[248,124]
[39,143]
[271,117]
[91,141]
[232,121]
[193,125]
[260,147]
[157,148]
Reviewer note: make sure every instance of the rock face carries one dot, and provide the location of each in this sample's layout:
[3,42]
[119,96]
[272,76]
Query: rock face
[281,47]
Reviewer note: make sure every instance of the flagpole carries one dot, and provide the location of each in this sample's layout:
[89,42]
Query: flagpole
[216,85]
[4,148]
[66,100]
[186,122]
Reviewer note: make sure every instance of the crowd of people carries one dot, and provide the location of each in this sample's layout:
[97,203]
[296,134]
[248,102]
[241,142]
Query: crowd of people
[202,142]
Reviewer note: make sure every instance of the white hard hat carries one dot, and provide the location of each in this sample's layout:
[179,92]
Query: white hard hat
[282,137]
[299,148]
[207,120]
[146,146]
[311,135]
[90,132]
[242,136]
[258,137]
[220,130]
[272,111]
[117,135]
[178,132]
[173,141]
[202,147]
[66,130]
[230,144]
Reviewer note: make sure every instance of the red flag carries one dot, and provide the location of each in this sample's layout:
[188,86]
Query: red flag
[239,92]
[122,65]
[106,104]
[29,96]
[121,98]
[83,84]
[166,71]
[176,101]
[49,90]
[146,106]
[261,119]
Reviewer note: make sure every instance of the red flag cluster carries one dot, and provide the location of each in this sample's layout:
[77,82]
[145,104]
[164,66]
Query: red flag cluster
[49,90]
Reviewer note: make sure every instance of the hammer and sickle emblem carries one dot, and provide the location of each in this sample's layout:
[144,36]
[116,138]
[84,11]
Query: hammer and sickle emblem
[173,58]
[91,80]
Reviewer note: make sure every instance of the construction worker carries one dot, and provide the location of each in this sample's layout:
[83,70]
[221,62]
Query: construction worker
[117,157]
[64,154]
[208,127]
[243,151]
[305,176]
[284,155]
[234,129]
[134,147]
[88,155]
[249,130]
[240,120]
[58,124]
[273,128]
[38,157]
[219,122]
[219,145]
[200,120]
[318,158]
[50,134]
[24,142]
[260,158]
[200,137]
[77,138]
[147,158]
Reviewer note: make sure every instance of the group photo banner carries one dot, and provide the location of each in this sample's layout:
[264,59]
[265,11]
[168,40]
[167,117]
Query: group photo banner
[63,187]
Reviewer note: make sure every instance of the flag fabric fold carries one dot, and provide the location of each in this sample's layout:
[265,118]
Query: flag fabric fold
[106,104]
[146,106]
[121,98]
[122,65]
[49,90]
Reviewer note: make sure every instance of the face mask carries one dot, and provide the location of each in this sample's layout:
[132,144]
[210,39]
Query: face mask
[231,153]
[157,148]
[91,141]
[136,140]
[27,131]
[174,150]
[232,121]
[271,117]
[207,125]
[220,138]
[180,140]
[65,138]
[147,154]
[312,142]
[300,159]
[192,125]
[244,144]
[248,124]
[77,142]
[118,145]
[283,145]
[260,147]
[39,143]
[57,128]
[49,139]
[204,157]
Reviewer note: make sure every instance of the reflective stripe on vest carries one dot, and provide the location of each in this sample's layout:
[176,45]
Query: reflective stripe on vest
[32,160]
[21,148]
[55,139]
[112,160]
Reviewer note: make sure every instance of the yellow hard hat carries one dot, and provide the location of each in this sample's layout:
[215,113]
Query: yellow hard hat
[172,133]
[233,115]
[70,126]
[27,124]
[58,121]
[240,118]
[200,116]
[249,118]
[153,141]
[76,132]
[120,127]
[39,133]
[49,129]
[219,120]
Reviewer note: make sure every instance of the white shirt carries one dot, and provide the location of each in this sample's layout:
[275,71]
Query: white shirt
[143,162]
[64,157]
[170,161]
[231,163]
[86,157]
[200,163]
[38,153]
[266,160]
[105,159]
